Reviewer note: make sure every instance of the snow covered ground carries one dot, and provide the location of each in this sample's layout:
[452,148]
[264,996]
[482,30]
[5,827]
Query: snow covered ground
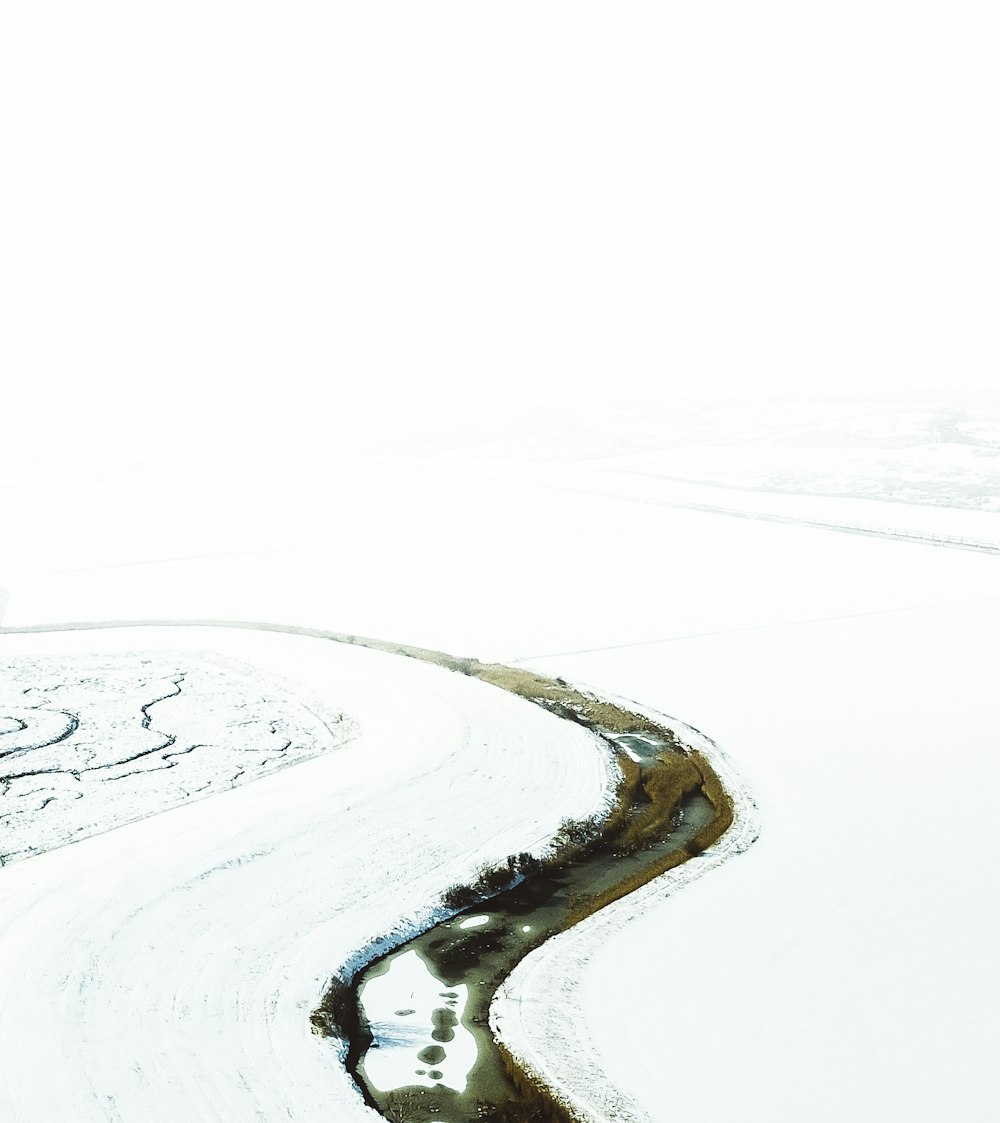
[88,742]
[167,969]
[842,969]
[850,678]
[941,451]
[302,306]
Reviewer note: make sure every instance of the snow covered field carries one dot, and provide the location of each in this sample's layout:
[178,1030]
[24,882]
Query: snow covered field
[167,969]
[844,968]
[88,742]
[508,331]
[849,678]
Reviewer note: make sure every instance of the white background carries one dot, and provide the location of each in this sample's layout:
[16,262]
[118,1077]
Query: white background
[249,250]
[219,215]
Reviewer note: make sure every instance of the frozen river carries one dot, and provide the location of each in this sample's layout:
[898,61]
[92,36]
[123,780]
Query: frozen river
[850,679]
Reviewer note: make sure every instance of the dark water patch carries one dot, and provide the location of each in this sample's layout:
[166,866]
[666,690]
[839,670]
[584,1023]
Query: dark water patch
[645,746]
[444,1022]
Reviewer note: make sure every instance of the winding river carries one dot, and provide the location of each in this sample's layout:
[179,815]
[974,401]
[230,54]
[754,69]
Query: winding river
[415,1022]
[421,1049]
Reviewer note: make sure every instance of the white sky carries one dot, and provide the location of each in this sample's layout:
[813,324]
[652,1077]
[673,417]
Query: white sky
[225,213]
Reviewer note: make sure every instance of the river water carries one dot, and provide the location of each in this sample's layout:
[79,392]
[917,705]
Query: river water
[431,1056]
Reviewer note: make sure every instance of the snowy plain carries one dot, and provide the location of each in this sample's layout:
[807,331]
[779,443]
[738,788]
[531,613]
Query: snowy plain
[168,968]
[849,678]
[90,742]
[380,318]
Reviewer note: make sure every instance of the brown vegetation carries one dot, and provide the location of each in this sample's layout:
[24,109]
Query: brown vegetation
[490,881]
[625,796]
[666,782]
[538,1101]
[337,1014]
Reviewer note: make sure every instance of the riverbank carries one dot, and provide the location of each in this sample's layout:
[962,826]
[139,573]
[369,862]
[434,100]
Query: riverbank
[669,807]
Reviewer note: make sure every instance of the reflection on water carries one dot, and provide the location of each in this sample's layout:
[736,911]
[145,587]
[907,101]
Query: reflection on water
[416,1025]
[474,922]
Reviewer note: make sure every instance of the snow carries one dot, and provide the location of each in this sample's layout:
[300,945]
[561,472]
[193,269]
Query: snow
[97,740]
[168,968]
[842,968]
[300,305]
[874,515]
[854,936]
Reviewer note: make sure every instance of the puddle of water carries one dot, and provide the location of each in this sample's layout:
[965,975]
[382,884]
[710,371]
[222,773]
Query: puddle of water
[641,747]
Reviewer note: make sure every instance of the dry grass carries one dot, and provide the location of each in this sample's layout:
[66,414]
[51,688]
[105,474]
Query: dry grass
[720,799]
[539,1105]
[490,880]
[625,796]
[672,778]
[557,695]
[588,905]
[525,683]
[665,784]
[338,1014]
